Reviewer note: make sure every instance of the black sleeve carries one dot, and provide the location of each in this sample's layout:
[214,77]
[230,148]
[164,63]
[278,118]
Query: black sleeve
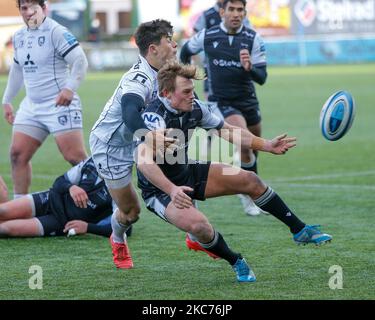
[89,177]
[185,55]
[61,185]
[259,74]
[132,106]
[104,230]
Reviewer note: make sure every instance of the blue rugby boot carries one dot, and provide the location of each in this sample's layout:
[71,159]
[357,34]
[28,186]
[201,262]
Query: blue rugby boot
[311,234]
[243,271]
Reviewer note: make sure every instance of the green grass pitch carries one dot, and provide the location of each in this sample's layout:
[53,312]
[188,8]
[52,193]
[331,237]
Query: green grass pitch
[327,183]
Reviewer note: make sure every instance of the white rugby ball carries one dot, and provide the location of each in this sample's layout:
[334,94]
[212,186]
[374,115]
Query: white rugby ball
[337,115]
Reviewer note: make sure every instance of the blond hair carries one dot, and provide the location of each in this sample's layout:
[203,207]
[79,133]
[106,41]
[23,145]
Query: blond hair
[171,70]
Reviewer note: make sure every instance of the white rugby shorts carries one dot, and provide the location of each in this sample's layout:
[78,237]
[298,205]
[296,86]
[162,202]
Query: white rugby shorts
[114,163]
[48,117]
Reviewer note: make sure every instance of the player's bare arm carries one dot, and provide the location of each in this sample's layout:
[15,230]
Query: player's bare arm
[278,145]
[79,196]
[64,98]
[149,168]
[79,226]
[8,113]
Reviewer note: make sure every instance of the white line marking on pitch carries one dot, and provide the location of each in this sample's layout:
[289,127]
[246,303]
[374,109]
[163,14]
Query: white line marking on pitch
[326,176]
[352,187]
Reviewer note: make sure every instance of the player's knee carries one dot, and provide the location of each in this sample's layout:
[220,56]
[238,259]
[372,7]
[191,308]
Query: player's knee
[3,196]
[130,215]
[2,211]
[75,158]
[253,184]
[133,214]
[5,231]
[200,229]
[18,157]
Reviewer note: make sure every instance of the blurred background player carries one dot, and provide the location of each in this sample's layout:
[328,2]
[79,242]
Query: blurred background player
[235,56]
[177,109]
[49,61]
[211,17]
[3,191]
[117,131]
[208,19]
[78,200]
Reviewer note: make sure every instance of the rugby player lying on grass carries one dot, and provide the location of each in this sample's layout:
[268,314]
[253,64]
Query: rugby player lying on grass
[78,200]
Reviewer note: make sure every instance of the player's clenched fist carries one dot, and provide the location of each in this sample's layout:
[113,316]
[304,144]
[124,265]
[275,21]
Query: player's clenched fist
[245,59]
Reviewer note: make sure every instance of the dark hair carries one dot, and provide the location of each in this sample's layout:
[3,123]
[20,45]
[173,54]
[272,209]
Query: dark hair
[171,70]
[151,33]
[225,2]
[42,3]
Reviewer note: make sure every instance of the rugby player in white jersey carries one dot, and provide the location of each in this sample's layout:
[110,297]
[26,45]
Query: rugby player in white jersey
[43,53]
[115,134]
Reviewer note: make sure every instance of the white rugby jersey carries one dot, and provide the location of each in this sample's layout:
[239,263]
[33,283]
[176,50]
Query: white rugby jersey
[41,54]
[141,80]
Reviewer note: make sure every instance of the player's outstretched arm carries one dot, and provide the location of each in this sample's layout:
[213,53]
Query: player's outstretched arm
[240,137]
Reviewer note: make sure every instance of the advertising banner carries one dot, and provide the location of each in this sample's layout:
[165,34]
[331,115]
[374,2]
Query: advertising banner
[333,16]
[312,17]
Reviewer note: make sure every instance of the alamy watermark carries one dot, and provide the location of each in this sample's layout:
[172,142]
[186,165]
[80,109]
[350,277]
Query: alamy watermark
[176,152]
[36,280]
[337,280]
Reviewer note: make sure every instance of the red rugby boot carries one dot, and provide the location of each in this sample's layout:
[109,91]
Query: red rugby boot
[121,255]
[194,245]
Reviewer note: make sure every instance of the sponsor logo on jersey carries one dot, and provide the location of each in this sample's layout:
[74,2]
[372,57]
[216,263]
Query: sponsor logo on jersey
[63,120]
[153,121]
[215,44]
[29,65]
[212,21]
[41,41]
[141,78]
[28,61]
[212,31]
[225,63]
[77,117]
[69,38]
[154,95]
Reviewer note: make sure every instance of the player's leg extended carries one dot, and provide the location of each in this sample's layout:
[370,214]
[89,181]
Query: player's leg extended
[196,223]
[220,182]
[71,146]
[22,149]
[224,181]
[126,213]
[128,204]
[21,208]
[21,228]
[115,165]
